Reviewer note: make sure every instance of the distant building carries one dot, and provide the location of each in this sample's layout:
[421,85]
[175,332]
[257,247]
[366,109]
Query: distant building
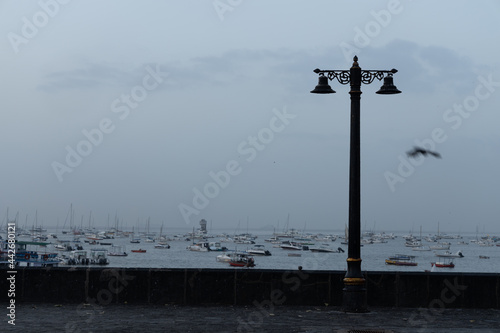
[203,226]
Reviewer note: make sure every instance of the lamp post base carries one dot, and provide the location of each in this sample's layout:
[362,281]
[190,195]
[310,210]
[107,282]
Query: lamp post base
[354,299]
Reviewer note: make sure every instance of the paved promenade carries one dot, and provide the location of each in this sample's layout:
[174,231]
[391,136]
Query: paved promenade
[221,319]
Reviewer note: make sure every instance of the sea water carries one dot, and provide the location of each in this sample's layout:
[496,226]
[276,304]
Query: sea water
[373,255]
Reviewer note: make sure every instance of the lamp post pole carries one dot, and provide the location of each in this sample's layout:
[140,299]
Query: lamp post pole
[354,293]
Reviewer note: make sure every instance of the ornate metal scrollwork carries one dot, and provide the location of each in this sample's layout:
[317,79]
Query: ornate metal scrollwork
[344,76]
[367,77]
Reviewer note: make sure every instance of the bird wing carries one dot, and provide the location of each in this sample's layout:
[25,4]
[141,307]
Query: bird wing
[433,153]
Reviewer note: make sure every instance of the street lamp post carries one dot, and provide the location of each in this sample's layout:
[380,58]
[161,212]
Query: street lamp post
[354,294]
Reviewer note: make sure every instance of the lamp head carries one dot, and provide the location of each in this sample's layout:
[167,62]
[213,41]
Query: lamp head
[323,87]
[388,87]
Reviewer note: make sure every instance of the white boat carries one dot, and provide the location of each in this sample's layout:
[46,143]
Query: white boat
[78,257]
[448,254]
[440,247]
[293,246]
[421,248]
[99,257]
[200,247]
[60,247]
[259,250]
[117,251]
[325,248]
[223,257]
[162,246]
[274,239]
[216,246]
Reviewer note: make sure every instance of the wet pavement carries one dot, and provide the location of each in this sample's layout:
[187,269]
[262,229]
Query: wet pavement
[261,318]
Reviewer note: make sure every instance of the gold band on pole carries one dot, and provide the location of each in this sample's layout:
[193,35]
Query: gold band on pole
[354,281]
[353,259]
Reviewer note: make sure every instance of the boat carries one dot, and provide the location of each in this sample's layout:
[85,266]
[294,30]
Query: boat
[325,248]
[484,257]
[216,246]
[401,257]
[443,264]
[162,246]
[77,257]
[27,254]
[273,239]
[288,245]
[117,251]
[223,257]
[346,236]
[448,254]
[200,247]
[401,260]
[99,257]
[413,244]
[440,246]
[421,248]
[241,260]
[60,247]
[259,250]
[138,251]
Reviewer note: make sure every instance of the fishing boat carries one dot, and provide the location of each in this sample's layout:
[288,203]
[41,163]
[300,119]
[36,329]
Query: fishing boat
[138,251]
[27,254]
[77,257]
[241,260]
[401,260]
[99,257]
[443,264]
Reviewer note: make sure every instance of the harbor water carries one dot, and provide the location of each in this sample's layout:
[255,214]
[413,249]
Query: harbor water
[476,258]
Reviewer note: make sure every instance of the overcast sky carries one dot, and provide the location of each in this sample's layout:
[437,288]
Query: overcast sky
[183,110]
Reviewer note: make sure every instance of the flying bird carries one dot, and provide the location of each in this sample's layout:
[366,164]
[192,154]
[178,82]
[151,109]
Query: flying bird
[421,151]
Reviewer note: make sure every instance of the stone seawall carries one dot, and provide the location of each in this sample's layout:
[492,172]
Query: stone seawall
[248,287]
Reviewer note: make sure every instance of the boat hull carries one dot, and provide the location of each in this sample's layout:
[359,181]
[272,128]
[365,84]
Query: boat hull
[400,263]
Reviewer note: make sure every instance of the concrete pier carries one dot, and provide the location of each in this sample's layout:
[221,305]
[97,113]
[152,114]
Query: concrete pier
[248,286]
